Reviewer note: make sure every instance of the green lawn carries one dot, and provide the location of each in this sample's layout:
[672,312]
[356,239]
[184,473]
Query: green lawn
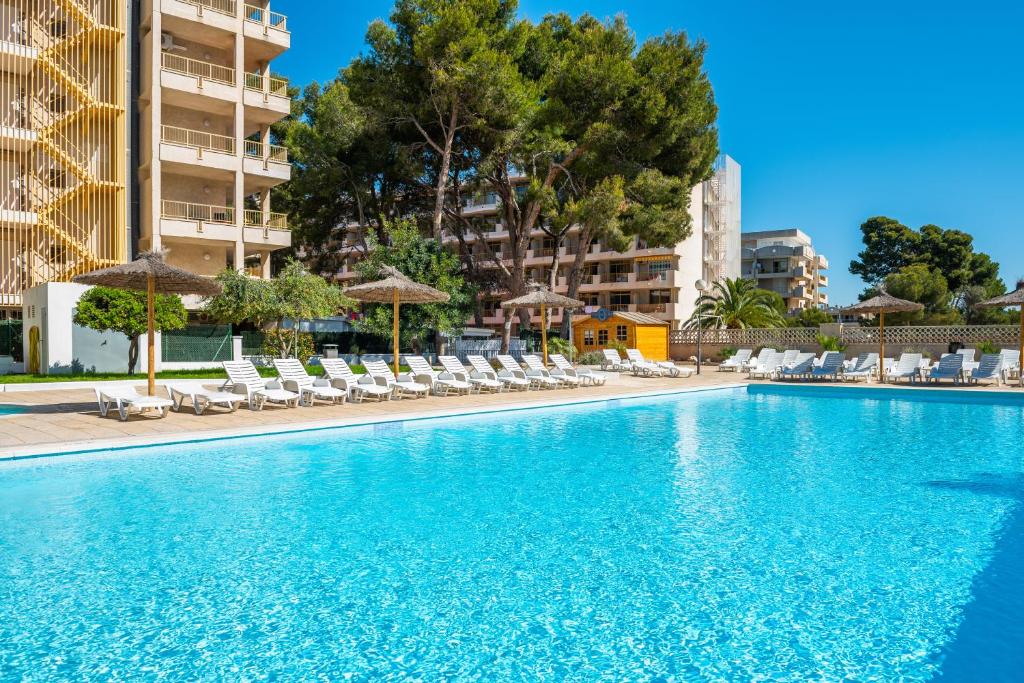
[170,374]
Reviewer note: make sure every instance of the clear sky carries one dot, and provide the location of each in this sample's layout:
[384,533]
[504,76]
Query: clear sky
[909,109]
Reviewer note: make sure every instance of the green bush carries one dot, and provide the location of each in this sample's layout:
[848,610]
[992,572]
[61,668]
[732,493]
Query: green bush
[562,346]
[618,346]
[831,343]
[728,352]
[272,344]
[591,358]
[988,347]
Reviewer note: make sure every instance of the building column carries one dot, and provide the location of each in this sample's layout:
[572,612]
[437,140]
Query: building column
[265,265]
[240,144]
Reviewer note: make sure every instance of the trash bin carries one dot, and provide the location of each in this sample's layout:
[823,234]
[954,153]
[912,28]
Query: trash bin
[330,350]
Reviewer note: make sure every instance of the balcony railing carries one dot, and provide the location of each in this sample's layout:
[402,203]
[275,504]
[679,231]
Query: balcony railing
[228,7]
[652,308]
[194,67]
[254,218]
[264,17]
[272,85]
[197,139]
[255,149]
[204,213]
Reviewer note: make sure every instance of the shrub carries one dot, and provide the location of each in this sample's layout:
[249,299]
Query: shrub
[988,347]
[830,343]
[728,352]
[591,358]
[618,346]
[562,346]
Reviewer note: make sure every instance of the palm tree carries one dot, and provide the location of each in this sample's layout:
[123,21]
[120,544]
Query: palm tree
[735,304]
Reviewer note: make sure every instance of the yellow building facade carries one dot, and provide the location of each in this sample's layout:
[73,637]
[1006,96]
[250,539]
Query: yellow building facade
[63,139]
[606,328]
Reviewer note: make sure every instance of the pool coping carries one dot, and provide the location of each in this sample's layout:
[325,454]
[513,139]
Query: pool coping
[85,447]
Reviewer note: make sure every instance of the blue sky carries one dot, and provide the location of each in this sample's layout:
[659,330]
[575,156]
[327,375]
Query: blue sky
[913,110]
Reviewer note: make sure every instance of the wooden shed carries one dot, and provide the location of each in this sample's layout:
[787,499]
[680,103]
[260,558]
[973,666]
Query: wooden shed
[633,330]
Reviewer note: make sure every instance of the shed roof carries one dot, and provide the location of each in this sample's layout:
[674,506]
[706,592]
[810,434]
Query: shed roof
[637,318]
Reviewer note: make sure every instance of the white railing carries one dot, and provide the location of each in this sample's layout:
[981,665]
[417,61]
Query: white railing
[228,7]
[264,17]
[203,213]
[197,139]
[258,150]
[194,67]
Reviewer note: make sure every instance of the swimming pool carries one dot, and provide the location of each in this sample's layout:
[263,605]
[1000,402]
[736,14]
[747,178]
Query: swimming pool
[720,535]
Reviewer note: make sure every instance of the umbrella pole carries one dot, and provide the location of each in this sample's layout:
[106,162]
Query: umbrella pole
[394,303]
[881,346]
[544,334]
[151,333]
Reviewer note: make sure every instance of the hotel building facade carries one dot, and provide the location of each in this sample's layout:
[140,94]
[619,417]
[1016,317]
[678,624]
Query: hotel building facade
[657,281]
[785,262]
[134,125]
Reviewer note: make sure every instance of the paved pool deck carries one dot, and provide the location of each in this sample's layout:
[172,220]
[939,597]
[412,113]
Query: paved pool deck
[68,421]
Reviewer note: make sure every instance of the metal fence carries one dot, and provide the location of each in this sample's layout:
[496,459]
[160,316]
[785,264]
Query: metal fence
[898,335]
[197,344]
[488,348]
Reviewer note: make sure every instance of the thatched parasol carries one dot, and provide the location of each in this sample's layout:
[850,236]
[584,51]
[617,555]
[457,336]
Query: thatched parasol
[543,297]
[395,289]
[151,274]
[881,304]
[1014,298]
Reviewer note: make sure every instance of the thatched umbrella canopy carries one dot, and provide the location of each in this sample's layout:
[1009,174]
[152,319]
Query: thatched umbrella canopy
[395,289]
[881,304]
[1014,298]
[151,274]
[541,296]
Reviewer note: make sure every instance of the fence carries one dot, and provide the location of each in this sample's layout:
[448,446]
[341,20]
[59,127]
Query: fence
[197,344]
[900,335]
[488,348]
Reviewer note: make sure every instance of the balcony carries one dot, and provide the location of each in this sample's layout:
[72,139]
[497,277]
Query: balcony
[266,33]
[202,221]
[267,228]
[196,147]
[651,309]
[267,160]
[822,280]
[190,83]
[268,96]
[201,18]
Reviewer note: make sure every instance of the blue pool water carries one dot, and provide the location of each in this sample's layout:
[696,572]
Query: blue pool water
[715,536]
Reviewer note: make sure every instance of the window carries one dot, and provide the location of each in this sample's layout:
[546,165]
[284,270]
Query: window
[620,301]
[590,300]
[661,296]
[659,270]
[602,337]
[621,333]
[588,337]
[780,266]
[620,270]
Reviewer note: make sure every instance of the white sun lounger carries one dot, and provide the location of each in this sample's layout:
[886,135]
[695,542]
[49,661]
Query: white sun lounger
[789,357]
[257,391]
[736,362]
[830,366]
[613,361]
[768,365]
[295,378]
[536,378]
[865,367]
[478,380]
[950,366]
[535,364]
[667,367]
[443,382]
[990,369]
[586,375]
[764,355]
[517,381]
[126,400]
[403,385]
[340,375]
[907,367]
[801,367]
[1010,364]
[201,398]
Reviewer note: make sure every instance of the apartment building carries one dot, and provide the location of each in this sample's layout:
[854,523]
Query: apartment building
[161,104]
[785,261]
[206,103]
[63,141]
[658,281]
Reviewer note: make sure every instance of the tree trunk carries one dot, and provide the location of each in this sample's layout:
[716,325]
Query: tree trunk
[442,174]
[577,273]
[133,354]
